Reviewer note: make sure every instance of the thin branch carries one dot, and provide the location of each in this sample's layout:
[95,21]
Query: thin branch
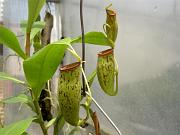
[38,111]
[28,44]
[86,82]
[96,122]
[104,113]
[83,46]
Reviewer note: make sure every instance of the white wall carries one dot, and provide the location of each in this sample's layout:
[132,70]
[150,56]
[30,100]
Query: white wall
[1,9]
[147,51]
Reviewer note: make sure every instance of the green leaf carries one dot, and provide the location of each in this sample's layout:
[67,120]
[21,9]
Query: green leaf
[37,24]
[91,77]
[36,27]
[4,76]
[63,41]
[59,124]
[74,130]
[22,98]
[41,66]
[16,128]
[51,122]
[9,39]
[34,32]
[34,8]
[96,38]
[25,133]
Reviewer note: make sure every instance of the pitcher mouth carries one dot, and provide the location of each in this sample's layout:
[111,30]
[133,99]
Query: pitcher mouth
[70,67]
[110,12]
[106,52]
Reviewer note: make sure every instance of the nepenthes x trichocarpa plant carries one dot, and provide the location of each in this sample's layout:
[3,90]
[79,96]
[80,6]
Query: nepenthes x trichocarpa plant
[74,91]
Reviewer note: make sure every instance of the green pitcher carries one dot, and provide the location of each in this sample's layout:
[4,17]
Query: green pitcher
[69,91]
[111,25]
[106,72]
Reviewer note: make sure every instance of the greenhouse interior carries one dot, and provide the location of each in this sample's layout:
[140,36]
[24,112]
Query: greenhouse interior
[89,67]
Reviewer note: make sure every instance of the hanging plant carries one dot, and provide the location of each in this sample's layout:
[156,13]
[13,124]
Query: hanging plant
[111,26]
[69,92]
[106,71]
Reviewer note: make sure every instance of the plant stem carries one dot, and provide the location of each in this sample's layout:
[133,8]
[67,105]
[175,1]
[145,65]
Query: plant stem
[74,54]
[59,123]
[27,47]
[38,111]
[56,130]
[96,123]
[104,113]
[83,46]
[85,79]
